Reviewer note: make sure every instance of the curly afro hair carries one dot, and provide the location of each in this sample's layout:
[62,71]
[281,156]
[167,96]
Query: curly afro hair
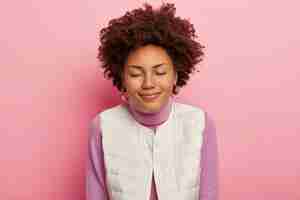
[140,27]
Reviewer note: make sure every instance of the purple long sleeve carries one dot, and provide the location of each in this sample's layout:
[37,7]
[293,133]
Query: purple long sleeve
[209,162]
[95,170]
[96,187]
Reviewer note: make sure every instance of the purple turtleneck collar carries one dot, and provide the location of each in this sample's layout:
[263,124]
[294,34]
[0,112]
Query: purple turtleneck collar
[152,119]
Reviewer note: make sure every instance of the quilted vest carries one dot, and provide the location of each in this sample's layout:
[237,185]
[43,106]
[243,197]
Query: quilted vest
[174,157]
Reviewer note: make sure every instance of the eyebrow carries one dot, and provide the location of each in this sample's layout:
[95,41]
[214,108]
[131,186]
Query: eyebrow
[140,67]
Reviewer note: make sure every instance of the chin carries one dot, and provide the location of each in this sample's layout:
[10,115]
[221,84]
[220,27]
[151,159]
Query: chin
[151,109]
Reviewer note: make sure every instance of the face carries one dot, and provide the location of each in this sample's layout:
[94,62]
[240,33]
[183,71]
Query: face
[149,77]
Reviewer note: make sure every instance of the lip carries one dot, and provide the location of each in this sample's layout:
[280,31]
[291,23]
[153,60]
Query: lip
[150,97]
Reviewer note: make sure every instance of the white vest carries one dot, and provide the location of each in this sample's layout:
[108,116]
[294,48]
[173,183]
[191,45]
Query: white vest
[174,157]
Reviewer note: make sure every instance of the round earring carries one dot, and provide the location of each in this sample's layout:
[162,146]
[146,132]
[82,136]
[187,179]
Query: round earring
[175,90]
[124,98]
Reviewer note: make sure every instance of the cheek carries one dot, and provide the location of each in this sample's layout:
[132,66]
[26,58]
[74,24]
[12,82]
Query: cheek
[167,84]
[132,85]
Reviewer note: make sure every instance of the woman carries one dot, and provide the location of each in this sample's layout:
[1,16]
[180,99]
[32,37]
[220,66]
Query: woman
[150,146]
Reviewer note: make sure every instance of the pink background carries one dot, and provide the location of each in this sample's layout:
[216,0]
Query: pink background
[51,87]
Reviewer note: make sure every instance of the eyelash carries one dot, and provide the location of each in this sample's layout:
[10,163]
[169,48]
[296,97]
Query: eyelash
[137,75]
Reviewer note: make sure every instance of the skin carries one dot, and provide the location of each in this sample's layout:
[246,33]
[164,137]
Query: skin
[148,70]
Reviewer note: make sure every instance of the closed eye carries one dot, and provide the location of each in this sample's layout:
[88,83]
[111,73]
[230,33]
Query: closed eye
[134,75]
[160,74]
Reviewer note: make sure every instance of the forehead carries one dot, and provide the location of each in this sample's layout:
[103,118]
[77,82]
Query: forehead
[148,56]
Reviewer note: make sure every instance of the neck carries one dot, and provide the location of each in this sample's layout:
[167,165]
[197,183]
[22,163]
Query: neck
[152,119]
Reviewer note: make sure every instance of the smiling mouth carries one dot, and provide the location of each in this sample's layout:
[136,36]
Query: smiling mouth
[150,97]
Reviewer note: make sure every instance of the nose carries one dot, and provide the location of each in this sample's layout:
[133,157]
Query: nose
[148,82]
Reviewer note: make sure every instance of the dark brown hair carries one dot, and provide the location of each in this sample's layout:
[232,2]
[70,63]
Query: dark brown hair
[140,27]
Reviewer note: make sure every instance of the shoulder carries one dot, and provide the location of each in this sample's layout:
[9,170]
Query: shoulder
[113,113]
[187,108]
[188,111]
[118,111]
